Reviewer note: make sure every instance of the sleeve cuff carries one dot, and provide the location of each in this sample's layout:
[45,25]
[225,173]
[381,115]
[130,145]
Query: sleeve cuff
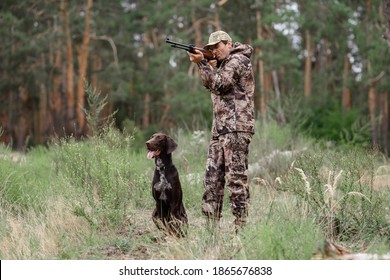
[202,63]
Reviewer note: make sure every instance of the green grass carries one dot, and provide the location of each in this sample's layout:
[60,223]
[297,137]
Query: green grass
[92,200]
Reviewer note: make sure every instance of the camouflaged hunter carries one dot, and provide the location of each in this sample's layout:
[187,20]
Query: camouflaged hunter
[232,87]
[232,92]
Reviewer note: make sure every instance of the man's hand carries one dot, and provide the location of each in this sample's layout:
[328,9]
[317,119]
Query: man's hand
[213,63]
[195,58]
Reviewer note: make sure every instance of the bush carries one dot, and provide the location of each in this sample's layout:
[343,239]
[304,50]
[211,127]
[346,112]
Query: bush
[101,176]
[330,123]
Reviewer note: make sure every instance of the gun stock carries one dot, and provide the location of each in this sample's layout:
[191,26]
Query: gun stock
[191,48]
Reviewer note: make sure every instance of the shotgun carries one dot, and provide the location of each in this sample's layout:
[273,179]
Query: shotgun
[191,48]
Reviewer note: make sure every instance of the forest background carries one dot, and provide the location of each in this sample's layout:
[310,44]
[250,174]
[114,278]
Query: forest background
[320,66]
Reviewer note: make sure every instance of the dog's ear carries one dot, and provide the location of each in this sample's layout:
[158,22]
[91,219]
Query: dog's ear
[171,145]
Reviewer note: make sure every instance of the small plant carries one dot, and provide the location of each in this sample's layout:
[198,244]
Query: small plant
[96,104]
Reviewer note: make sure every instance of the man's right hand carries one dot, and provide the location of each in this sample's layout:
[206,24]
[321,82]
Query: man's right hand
[213,63]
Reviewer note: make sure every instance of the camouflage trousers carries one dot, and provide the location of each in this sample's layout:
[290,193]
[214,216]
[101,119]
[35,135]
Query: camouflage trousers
[227,160]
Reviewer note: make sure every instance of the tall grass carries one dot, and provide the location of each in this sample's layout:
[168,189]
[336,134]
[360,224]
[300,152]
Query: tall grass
[91,199]
[35,221]
[51,233]
[24,180]
[336,189]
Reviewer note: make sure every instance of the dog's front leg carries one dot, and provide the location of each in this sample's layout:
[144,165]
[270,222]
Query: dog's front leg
[157,219]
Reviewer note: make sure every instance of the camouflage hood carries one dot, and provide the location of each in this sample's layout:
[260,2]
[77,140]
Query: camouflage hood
[244,49]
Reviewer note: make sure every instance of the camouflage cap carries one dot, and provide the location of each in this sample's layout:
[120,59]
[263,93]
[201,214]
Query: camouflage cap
[217,37]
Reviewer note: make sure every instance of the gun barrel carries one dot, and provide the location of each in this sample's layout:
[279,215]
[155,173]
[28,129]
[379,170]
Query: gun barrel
[181,47]
[208,54]
[169,41]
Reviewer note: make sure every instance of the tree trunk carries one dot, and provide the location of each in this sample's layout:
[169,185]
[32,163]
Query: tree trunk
[54,79]
[368,6]
[372,104]
[259,51]
[97,66]
[54,101]
[69,88]
[386,13]
[346,97]
[147,99]
[22,127]
[146,115]
[385,121]
[280,113]
[4,135]
[372,109]
[41,117]
[83,65]
[196,24]
[164,121]
[21,132]
[385,96]
[307,90]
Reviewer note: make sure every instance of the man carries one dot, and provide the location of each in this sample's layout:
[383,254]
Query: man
[230,80]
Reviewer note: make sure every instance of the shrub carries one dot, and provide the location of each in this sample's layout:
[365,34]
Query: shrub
[100,174]
[330,123]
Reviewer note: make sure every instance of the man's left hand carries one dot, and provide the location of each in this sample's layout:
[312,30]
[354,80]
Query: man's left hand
[196,57]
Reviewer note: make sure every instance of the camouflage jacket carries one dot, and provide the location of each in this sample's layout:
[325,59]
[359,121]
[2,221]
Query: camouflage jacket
[232,91]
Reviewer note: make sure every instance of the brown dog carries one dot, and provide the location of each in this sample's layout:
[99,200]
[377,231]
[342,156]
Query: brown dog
[169,213]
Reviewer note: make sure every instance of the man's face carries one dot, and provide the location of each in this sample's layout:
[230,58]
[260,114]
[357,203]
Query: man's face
[221,50]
